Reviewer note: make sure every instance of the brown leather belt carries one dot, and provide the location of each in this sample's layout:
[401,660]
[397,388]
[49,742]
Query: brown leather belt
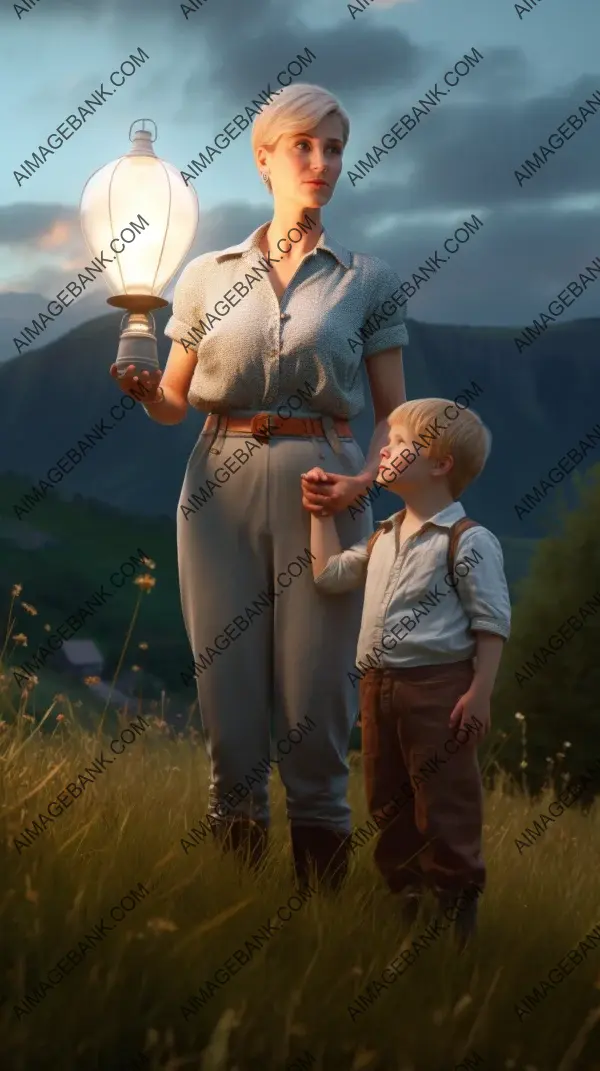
[265,425]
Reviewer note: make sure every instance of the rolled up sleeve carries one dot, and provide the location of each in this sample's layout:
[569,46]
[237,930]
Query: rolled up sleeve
[386,314]
[187,312]
[484,591]
[345,571]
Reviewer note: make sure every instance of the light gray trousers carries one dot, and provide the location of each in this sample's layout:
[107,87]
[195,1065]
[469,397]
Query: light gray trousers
[249,534]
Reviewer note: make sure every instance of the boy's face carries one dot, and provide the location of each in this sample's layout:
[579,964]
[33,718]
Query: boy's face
[405,466]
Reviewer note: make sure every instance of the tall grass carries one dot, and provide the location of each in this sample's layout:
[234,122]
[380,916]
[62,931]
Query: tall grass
[120,1008]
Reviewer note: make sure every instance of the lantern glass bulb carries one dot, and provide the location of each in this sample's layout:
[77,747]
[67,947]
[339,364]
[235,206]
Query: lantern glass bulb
[141,205]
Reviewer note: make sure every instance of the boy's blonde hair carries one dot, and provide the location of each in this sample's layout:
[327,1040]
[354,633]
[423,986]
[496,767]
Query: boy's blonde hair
[297,108]
[460,432]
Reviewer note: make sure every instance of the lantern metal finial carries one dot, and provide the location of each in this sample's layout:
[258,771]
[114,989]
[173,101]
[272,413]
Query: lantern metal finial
[142,140]
[144,131]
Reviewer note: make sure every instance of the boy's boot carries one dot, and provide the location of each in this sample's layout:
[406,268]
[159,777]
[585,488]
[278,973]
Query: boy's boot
[324,850]
[465,904]
[246,837]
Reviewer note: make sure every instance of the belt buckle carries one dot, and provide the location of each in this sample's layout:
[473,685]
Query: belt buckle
[260,427]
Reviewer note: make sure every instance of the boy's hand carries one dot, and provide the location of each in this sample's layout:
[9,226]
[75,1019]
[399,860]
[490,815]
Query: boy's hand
[327,493]
[473,704]
[309,482]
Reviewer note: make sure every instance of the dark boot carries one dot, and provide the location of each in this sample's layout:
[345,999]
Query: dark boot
[246,837]
[320,849]
[464,915]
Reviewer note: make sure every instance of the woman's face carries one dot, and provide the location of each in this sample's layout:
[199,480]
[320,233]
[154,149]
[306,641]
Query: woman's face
[304,168]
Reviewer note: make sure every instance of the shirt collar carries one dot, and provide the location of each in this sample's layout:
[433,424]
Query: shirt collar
[447,516]
[444,519]
[325,243]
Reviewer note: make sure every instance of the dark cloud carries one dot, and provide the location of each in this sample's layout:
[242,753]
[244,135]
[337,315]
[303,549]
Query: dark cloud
[459,160]
[131,13]
[467,153]
[26,223]
[68,10]
[507,72]
[505,274]
[346,62]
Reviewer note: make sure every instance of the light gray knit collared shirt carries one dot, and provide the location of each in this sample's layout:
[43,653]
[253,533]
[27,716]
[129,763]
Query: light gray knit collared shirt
[254,354]
[411,613]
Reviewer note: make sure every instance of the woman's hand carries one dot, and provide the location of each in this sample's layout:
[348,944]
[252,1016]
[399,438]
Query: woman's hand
[326,493]
[144,388]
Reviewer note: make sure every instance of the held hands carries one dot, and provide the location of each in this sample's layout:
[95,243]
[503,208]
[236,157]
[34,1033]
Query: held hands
[473,704]
[326,493]
[144,388]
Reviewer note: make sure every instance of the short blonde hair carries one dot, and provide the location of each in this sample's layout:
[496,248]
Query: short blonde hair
[300,107]
[463,435]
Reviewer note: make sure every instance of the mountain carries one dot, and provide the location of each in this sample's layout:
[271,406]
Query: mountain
[17,310]
[50,398]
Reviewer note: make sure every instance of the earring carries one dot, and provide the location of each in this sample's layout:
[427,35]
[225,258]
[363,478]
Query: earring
[264,176]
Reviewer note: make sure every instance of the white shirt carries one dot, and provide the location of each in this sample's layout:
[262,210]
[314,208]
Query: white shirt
[412,616]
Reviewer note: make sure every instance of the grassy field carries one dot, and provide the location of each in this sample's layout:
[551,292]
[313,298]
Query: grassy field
[292,998]
[188,912]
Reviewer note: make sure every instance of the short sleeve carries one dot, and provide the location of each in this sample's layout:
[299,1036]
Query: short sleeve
[385,326]
[186,306]
[483,590]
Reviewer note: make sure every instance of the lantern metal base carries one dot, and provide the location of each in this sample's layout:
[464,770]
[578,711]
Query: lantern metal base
[137,343]
[137,302]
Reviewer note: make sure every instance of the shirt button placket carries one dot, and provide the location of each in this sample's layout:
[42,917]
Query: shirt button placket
[392,585]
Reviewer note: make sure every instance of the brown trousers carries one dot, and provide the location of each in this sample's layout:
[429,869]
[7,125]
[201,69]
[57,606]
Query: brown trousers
[422,779]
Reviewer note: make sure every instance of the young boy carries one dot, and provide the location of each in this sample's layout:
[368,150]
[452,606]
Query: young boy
[436,598]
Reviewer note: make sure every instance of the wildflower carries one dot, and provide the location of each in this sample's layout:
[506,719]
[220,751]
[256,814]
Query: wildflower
[143,646]
[158,925]
[523,764]
[520,717]
[20,637]
[91,680]
[16,591]
[47,628]
[29,608]
[145,582]
[149,563]
[59,698]
[60,717]
[135,669]
[566,743]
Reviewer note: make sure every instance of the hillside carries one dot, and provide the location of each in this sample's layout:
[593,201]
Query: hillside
[51,397]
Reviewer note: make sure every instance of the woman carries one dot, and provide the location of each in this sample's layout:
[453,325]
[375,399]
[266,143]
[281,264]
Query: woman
[256,329]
